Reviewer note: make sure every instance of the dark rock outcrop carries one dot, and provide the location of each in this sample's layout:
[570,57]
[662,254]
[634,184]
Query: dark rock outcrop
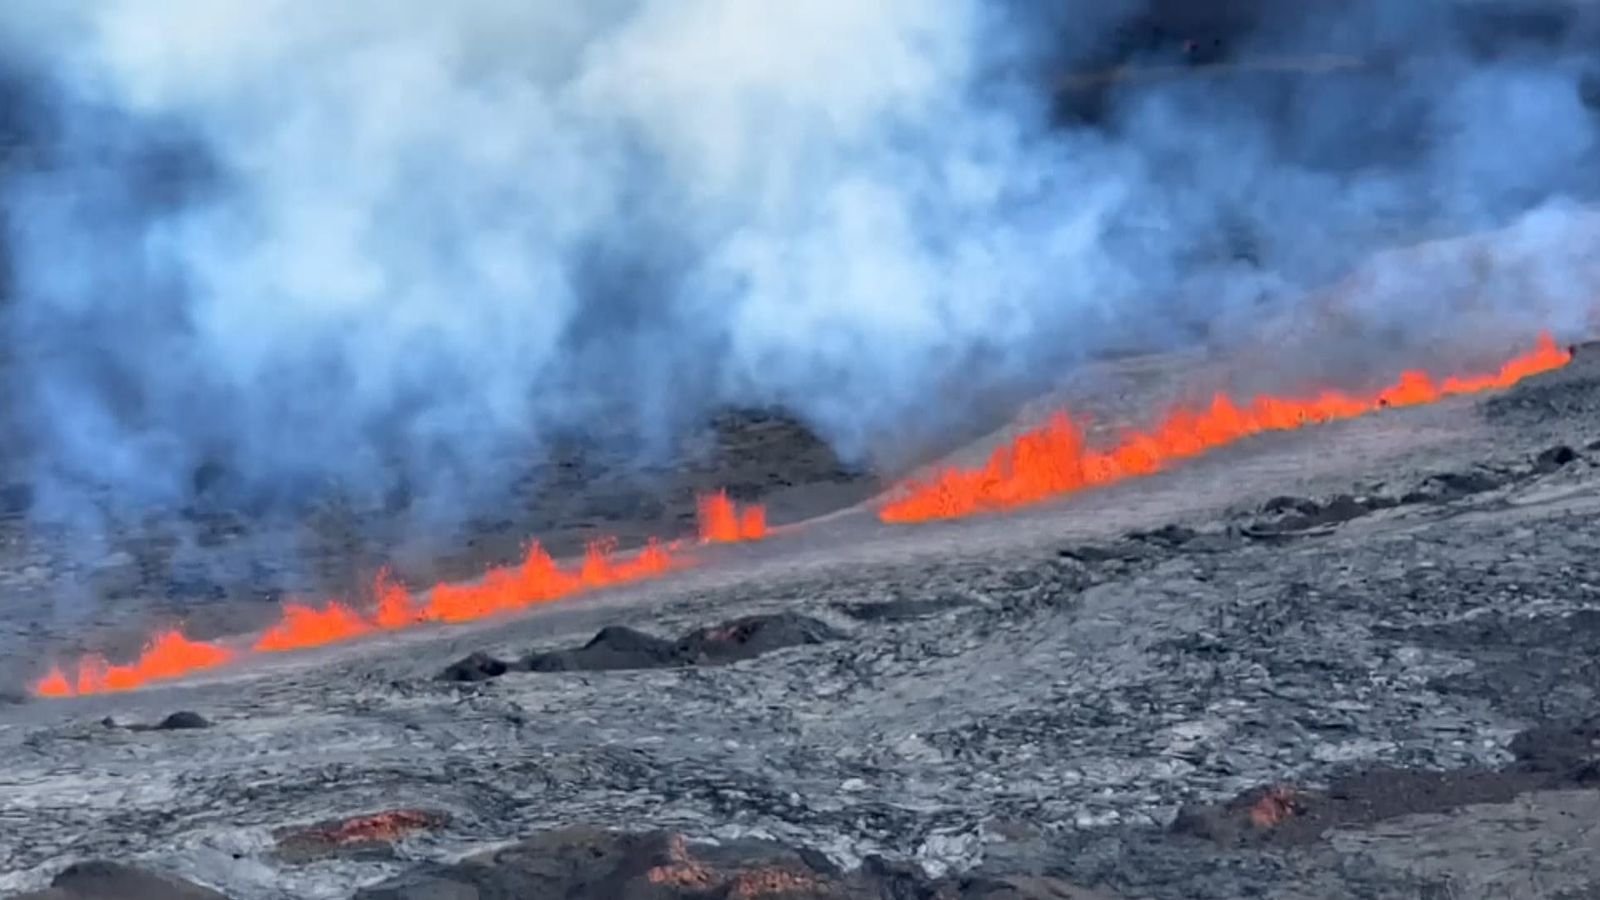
[618,647]
[102,880]
[587,862]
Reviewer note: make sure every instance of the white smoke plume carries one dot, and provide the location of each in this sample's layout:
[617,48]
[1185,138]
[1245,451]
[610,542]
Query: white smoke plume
[345,240]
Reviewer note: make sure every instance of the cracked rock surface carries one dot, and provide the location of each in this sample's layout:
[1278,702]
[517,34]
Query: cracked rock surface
[1352,660]
[618,647]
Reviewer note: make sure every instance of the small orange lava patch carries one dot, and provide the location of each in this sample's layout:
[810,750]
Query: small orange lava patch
[681,875]
[770,881]
[387,827]
[681,870]
[358,832]
[1276,806]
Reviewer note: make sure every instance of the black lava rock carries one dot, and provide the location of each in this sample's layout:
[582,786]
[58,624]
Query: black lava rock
[477,667]
[618,647]
[101,880]
[899,610]
[753,636]
[614,647]
[1555,458]
[183,719]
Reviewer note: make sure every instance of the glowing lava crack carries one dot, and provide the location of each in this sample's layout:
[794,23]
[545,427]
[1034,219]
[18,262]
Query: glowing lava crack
[537,579]
[1053,459]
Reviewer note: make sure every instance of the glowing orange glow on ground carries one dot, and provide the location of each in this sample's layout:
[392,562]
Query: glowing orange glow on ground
[722,521]
[1053,460]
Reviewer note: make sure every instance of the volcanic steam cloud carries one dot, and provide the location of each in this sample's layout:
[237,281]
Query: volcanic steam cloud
[427,238]
[257,253]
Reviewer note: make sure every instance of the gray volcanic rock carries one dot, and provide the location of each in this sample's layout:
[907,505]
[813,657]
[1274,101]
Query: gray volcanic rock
[1570,750]
[618,647]
[585,862]
[476,667]
[753,636]
[1284,815]
[1170,688]
[613,647]
[368,836]
[101,880]
[901,610]
[183,720]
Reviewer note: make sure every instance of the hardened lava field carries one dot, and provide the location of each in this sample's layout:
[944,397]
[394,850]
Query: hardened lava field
[1273,670]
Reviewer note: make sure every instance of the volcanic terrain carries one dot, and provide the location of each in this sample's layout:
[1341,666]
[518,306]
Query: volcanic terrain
[1341,646]
[1352,659]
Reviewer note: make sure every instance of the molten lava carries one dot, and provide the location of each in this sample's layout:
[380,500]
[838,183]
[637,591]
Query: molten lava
[305,626]
[1277,805]
[723,522]
[1053,459]
[384,827]
[168,655]
[395,606]
[1042,463]
[537,579]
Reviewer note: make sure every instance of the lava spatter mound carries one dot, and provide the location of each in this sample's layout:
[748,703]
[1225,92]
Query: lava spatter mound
[620,648]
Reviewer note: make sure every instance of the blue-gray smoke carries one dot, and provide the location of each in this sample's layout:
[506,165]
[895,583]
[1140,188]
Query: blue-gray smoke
[401,239]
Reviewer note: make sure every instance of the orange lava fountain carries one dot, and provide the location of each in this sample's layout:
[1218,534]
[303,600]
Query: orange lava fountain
[306,626]
[538,578]
[1045,462]
[168,655]
[1053,459]
[723,522]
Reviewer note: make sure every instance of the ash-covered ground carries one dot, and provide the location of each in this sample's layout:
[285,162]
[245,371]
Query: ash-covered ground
[1355,660]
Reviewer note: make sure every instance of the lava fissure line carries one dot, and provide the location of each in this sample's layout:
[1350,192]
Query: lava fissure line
[1046,462]
[1054,460]
[538,578]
